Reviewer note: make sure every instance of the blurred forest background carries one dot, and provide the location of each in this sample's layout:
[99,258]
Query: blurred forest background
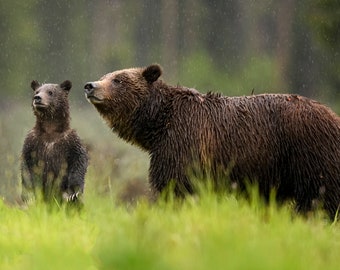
[229,46]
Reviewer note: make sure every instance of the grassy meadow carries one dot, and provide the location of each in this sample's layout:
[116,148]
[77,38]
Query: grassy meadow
[119,229]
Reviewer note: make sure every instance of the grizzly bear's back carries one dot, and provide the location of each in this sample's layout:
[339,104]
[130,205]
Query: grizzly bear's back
[286,142]
[270,120]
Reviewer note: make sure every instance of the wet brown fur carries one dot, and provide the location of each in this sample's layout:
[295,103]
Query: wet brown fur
[278,141]
[54,161]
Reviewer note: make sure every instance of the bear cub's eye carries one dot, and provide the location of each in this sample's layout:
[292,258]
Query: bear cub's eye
[50,93]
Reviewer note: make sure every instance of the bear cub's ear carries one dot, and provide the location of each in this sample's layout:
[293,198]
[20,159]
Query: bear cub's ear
[35,84]
[66,85]
[152,73]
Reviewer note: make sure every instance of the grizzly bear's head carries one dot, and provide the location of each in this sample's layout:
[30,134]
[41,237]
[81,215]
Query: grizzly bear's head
[50,100]
[116,95]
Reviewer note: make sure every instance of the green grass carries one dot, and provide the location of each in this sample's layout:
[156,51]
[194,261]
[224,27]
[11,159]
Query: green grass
[205,232]
[115,232]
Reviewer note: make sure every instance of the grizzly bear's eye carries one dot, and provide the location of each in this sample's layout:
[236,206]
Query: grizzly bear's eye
[117,81]
[50,93]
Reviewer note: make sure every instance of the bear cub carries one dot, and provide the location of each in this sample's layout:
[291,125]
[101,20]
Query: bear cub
[54,161]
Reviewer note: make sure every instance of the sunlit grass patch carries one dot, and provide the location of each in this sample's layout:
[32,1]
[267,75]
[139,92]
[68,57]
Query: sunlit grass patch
[201,232]
[38,238]
[212,232]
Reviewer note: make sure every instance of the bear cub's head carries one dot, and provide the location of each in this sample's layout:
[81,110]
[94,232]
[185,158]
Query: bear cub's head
[50,100]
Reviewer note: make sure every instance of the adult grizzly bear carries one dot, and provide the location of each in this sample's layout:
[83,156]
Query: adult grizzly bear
[278,141]
[54,161]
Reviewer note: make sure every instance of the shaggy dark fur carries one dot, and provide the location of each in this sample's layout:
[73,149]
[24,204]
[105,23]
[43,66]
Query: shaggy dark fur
[53,159]
[284,142]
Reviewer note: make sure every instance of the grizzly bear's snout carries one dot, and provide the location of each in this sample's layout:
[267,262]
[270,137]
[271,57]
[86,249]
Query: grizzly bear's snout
[90,92]
[89,87]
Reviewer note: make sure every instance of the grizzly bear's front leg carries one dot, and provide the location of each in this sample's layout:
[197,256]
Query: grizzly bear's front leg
[165,173]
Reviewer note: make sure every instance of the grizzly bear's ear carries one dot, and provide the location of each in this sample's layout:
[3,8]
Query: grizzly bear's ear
[66,85]
[152,73]
[35,84]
